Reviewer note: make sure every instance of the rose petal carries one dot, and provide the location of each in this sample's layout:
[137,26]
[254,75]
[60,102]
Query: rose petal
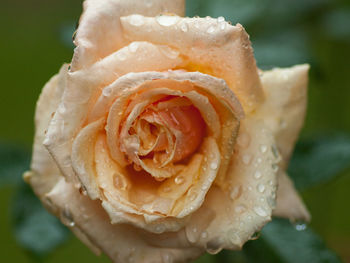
[81,90]
[99,33]
[208,46]
[82,215]
[284,111]
[289,204]
[44,172]
[244,204]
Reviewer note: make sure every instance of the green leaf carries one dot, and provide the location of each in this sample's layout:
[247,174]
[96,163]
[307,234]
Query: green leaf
[296,244]
[14,160]
[36,229]
[319,160]
[281,242]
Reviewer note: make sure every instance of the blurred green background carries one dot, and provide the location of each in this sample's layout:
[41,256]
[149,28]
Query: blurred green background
[36,40]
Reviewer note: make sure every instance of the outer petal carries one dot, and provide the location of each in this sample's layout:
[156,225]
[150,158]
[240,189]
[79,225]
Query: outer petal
[284,111]
[233,212]
[121,242]
[208,45]
[44,172]
[289,204]
[99,33]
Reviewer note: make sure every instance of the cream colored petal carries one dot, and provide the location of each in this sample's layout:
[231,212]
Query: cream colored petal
[100,34]
[121,242]
[44,172]
[284,112]
[83,153]
[210,46]
[245,205]
[285,106]
[83,86]
[289,204]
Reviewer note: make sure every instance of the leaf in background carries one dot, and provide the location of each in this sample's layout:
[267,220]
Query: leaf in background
[296,244]
[35,229]
[281,242]
[318,160]
[14,160]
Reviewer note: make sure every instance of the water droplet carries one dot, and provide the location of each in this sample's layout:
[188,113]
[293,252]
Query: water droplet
[261,188]
[213,166]
[179,179]
[255,236]
[159,229]
[204,234]
[61,109]
[259,160]
[260,211]
[184,27]
[133,47]
[213,247]
[300,226]
[263,148]
[107,91]
[193,196]
[274,151]
[167,257]
[167,20]
[257,174]
[136,20]
[211,30]
[67,217]
[223,25]
[274,167]
[246,158]
[192,234]
[283,124]
[271,201]
[235,192]
[137,167]
[221,19]
[243,140]
[240,209]
[119,182]
[234,237]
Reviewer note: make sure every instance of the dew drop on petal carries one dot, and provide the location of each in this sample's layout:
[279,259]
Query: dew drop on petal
[136,20]
[133,47]
[240,209]
[263,148]
[179,179]
[107,91]
[260,211]
[167,20]
[213,166]
[261,188]
[211,30]
[204,234]
[235,192]
[257,174]
[221,19]
[184,27]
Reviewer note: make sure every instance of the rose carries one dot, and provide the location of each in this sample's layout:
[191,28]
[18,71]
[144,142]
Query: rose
[162,139]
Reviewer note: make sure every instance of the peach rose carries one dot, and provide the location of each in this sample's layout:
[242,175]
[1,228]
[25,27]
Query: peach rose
[162,139]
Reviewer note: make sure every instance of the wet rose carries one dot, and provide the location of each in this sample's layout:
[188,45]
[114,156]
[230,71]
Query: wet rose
[162,139]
